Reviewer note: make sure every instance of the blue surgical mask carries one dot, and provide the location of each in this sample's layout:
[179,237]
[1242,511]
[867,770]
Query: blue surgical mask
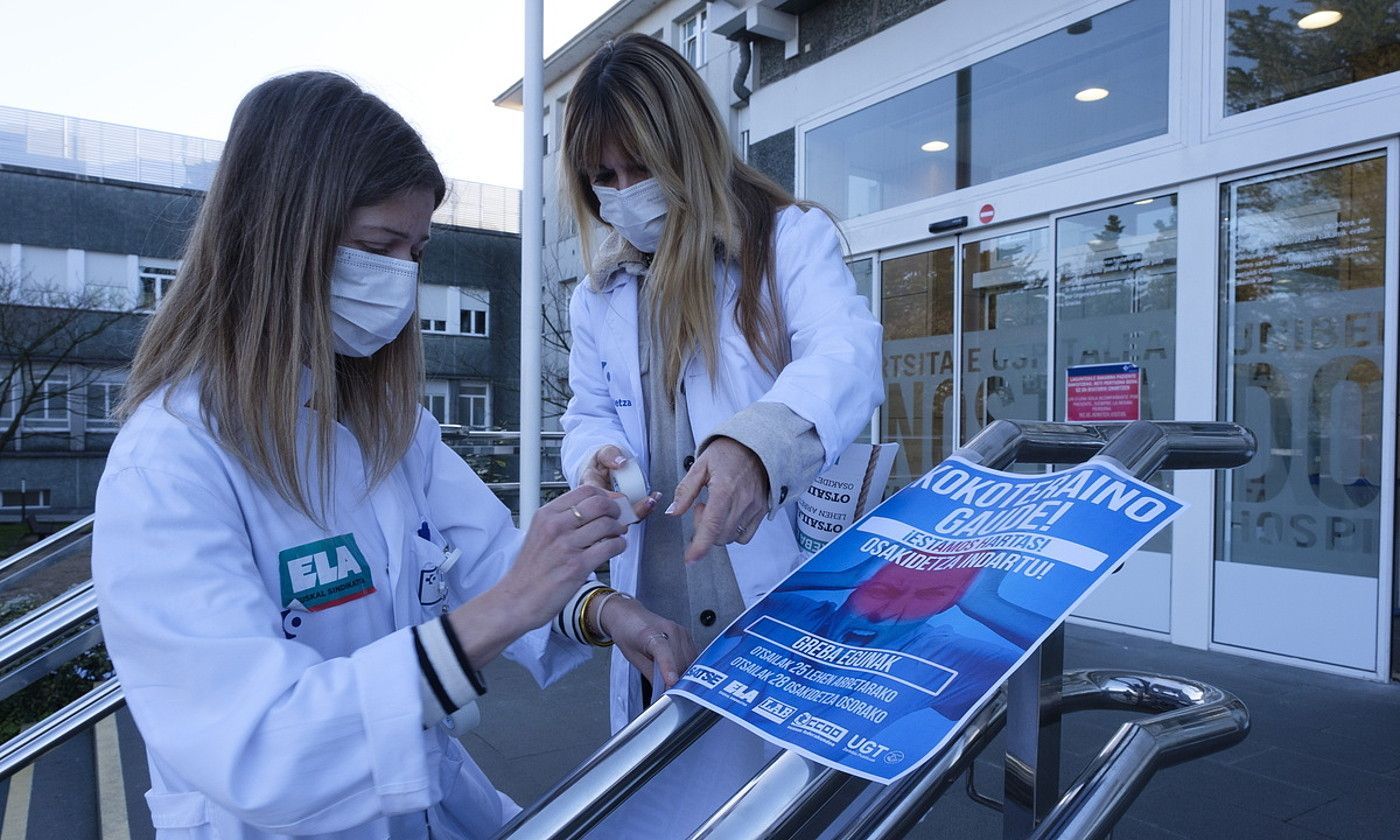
[372,298]
[638,212]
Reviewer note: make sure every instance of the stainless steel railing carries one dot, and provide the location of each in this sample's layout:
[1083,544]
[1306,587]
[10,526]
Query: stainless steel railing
[788,792]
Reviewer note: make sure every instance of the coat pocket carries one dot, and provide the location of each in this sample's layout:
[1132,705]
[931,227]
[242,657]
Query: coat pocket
[181,816]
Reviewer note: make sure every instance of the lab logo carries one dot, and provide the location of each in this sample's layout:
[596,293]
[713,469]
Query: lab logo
[708,677]
[774,710]
[740,692]
[822,730]
[323,574]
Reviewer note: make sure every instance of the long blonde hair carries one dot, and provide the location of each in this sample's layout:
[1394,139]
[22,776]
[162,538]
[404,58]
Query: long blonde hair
[251,303]
[645,98]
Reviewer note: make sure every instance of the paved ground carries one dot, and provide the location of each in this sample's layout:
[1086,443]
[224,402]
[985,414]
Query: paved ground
[1323,760]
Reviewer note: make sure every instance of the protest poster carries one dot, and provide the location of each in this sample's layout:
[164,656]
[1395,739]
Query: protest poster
[841,495]
[871,655]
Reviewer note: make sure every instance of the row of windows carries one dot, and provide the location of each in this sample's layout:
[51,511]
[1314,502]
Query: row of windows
[1099,83]
[51,276]
[59,397]
[470,409]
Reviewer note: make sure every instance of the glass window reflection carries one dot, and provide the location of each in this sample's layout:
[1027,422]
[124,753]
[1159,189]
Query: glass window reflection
[1099,83]
[1282,50]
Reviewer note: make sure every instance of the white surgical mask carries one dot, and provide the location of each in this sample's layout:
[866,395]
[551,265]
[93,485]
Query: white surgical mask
[372,298]
[638,212]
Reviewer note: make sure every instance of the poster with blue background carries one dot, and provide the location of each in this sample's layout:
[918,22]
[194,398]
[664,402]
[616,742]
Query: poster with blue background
[868,657]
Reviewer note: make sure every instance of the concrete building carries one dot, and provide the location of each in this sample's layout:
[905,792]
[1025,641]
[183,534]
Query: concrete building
[1201,193]
[95,216]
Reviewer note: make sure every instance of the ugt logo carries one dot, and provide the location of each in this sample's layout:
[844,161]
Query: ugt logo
[324,573]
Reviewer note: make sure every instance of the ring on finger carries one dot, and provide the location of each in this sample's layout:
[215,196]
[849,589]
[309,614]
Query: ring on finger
[577,515]
[663,636]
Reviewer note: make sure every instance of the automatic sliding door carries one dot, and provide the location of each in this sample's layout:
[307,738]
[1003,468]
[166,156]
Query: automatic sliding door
[1303,365]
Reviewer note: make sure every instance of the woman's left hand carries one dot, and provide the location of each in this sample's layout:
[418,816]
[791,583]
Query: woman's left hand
[650,642]
[738,498]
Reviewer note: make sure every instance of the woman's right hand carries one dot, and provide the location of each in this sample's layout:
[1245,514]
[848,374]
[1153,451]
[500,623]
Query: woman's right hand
[567,540]
[598,473]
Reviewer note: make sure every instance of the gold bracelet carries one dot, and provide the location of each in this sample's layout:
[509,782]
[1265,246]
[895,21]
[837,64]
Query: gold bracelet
[584,630]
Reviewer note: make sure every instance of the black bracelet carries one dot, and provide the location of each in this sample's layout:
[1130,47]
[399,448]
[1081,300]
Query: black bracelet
[473,675]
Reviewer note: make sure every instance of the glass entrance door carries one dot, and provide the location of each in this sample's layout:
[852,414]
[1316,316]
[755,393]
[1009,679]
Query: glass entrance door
[965,341]
[1303,364]
[968,336]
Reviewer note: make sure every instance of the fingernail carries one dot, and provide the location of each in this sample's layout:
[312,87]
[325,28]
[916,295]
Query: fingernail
[651,502]
[619,460]
[671,508]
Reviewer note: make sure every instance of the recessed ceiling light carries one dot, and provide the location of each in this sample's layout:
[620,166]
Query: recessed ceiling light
[935,146]
[1145,201]
[1093,94]
[1319,20]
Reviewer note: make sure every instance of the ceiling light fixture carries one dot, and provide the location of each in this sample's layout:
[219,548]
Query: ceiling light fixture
[1319,20]
[1145,201]
[1093,94]
[935,146]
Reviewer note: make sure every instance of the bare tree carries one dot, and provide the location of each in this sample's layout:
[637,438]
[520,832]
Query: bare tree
[45,332]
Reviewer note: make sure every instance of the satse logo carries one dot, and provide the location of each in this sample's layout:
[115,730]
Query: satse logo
[708,677]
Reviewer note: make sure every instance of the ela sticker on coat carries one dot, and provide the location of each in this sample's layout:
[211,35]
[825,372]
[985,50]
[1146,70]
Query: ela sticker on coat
[324,573]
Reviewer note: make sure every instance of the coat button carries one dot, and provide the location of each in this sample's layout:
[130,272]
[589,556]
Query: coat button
[782,494]
[708,617]
[688,462]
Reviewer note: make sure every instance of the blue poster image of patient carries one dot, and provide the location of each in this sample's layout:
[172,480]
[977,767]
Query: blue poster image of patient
[869,656]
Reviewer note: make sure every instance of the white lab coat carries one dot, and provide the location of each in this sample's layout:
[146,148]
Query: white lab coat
[833,381]
[266,721]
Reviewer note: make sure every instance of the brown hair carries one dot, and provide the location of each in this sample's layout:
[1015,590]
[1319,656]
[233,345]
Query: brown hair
[251,303]
[643,96]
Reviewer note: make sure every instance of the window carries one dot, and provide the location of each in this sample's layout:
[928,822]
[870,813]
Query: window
[690,33]
[102,399]
[1290,48]
[435,400]
[49,413]
[153,284]
[20,499]
[475,312]
[1097,84]
[545,123]
[474,405]
[452,310]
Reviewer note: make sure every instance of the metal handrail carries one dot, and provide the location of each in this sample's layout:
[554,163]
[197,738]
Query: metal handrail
[26,747]
[41,627]
[44,546]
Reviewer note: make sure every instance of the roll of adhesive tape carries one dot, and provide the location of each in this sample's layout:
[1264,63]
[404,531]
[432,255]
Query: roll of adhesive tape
[630,482]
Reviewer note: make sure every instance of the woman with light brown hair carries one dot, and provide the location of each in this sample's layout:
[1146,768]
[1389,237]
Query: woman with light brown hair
[719,346]
[298,581]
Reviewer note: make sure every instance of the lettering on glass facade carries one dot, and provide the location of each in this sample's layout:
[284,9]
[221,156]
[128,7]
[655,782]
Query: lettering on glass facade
[1304,366]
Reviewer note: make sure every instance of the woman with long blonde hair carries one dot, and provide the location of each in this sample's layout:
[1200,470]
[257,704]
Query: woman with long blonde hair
[298,581]
[719,345]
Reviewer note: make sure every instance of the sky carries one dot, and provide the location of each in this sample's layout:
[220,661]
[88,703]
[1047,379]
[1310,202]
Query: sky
[183,66]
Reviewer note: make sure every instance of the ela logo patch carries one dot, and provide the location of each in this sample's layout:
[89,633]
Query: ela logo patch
[324,573]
